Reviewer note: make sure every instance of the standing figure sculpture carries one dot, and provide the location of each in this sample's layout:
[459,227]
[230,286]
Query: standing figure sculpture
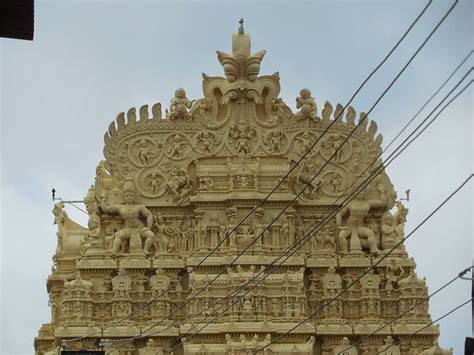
[360,236]
[133,230]
[159,241]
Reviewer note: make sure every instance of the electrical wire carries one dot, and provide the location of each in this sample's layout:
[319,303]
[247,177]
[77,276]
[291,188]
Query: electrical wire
[405,312]
[323,221]
[426,326]
[301,159]
[307,236]
[431,98]
[286,176]
[371,268]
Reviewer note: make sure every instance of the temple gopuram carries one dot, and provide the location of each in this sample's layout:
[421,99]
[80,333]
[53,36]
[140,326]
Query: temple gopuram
[175,184]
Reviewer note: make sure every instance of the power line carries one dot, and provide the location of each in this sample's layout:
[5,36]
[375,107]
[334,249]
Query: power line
[345,201]
[405,312]
[310,234]
[188,272]
[371,268]
[305,238]
[429,100]
[426,326]
[386,90]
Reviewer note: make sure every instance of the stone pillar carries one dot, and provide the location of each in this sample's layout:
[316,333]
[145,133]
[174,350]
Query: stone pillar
[198,214]
[275,231]
[290,216]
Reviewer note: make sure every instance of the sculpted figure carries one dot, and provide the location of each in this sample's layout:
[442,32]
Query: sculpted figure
[392,227]
[159,240]
[93,236]
[306,142]
[143,153]
[208,141]
[360,236]
[306,105]
[335,181]
[326,239]
[242,138]
[393,274]
[154,183]
[274,140]
[130,212]
[334,145]
[180,105]
[306,180]
[176,146]
[179,185]
[205,182]
[279,110]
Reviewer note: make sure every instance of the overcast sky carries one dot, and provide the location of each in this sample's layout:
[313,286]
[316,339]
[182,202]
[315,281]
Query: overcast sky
[92,59]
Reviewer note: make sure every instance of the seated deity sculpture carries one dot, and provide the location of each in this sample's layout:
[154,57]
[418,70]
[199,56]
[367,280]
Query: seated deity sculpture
[180,105]
[306,105]
[360,236]
[133,230]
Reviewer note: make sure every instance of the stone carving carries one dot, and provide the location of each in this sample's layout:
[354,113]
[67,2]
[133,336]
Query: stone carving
[180,105]
[333,146]
[325,239]
[205,182]
[198,172]
[179,186]
[151,348]
[306,105]
[393,274]
[177,146]
[389,348]
[392,227]
[345,348]
[159,282]
[207,142]
[305,141]
[133,230]
[242,140]
[280,111]
[275,142]
[360,236]
[307,180]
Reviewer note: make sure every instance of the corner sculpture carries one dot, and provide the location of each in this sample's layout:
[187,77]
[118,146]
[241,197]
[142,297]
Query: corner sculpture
[172,187]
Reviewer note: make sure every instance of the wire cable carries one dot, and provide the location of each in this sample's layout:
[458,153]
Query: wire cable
[307,236]
[248,282]
[282,180]
[405,312]
[426,326]
[300,160]
[371,268]
[431,98]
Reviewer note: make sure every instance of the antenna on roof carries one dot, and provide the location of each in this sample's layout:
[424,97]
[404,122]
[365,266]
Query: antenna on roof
[407,194]
[70,202]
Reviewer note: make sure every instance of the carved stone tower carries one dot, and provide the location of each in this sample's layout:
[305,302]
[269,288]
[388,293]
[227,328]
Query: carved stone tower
[172,188]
